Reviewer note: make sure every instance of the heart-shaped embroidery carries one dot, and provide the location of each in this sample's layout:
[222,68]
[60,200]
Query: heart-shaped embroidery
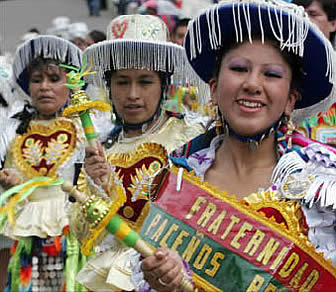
[119,28]
[44,148]
[135,169]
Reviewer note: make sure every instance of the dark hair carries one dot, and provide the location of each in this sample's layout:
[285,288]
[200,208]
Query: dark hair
[294,62]
[97,36]
[181,22]
[3,101]
[40,63]
[164,79]
[25,116]
[328,6]
[34,29]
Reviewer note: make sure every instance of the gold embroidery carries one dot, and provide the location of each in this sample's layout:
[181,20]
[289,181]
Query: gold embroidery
[128,212]
[44,148]
[141,179]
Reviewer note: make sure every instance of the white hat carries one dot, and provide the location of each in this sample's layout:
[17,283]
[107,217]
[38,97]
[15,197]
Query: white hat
[28,36]
[78,30]
[140,42]
[60,27]
[45,46]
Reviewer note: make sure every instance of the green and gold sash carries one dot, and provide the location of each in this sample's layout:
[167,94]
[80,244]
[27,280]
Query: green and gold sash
[257,244]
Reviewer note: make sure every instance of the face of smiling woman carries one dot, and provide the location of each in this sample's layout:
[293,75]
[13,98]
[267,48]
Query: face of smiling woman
[253,87]
[47,90]
[135,94]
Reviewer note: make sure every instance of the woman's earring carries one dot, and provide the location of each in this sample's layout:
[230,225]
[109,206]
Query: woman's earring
[218,119]
[290,128]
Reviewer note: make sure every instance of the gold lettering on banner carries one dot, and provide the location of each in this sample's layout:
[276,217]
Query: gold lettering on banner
[289,265]
[298,276]
[310,282]
[215,264]
[268,251]
[157,234]
[214,226]
[234,220]
[154,222]
[241,234]
[172,229]
[202,257]
[279,258]
[270,288]
[254,243]
[207,215]
[256,284]
[196,207]
[179,239]
[191,248]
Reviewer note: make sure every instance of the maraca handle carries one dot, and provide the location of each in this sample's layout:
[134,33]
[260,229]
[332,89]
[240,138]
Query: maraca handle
[93,143]
[143,248]
[121,233]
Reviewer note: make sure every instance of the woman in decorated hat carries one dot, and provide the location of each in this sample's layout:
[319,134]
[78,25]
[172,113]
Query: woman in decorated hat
[136,64]
[41,148]
[270,222]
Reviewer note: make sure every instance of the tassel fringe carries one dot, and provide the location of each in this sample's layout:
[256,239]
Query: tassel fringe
[47,47]
[129,54]
[322,189]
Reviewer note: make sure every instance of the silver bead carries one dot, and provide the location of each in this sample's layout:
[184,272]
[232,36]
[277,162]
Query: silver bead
[35,260]
[52,274]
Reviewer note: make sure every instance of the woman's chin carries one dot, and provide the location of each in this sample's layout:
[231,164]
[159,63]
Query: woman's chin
[48,112]
[250,132]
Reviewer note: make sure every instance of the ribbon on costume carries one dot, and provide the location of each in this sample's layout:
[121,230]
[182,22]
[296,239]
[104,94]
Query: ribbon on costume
[21,192]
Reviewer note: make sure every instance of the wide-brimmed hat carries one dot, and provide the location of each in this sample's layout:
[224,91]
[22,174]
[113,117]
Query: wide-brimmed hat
[286,23]
[45,46]
[139,42]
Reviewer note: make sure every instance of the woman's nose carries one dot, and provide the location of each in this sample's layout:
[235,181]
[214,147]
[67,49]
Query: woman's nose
[134,92]
[45,84]
[253,83]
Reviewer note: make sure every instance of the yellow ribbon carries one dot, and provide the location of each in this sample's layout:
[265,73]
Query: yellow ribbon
[20,192]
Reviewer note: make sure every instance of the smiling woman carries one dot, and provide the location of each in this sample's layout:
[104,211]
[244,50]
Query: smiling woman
[256,91]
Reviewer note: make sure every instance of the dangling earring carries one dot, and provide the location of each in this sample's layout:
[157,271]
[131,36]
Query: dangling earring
[290,128]
[216,116]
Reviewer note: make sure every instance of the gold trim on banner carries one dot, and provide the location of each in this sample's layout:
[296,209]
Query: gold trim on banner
[203,284]
[252,203]
[45,130]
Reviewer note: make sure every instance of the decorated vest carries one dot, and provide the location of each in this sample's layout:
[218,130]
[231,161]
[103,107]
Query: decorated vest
[44,147]
[136,170]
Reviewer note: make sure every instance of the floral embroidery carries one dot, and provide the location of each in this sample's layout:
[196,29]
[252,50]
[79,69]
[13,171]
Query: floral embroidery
[151,31]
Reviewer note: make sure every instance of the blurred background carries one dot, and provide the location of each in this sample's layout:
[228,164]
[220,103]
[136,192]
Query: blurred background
[20,19]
